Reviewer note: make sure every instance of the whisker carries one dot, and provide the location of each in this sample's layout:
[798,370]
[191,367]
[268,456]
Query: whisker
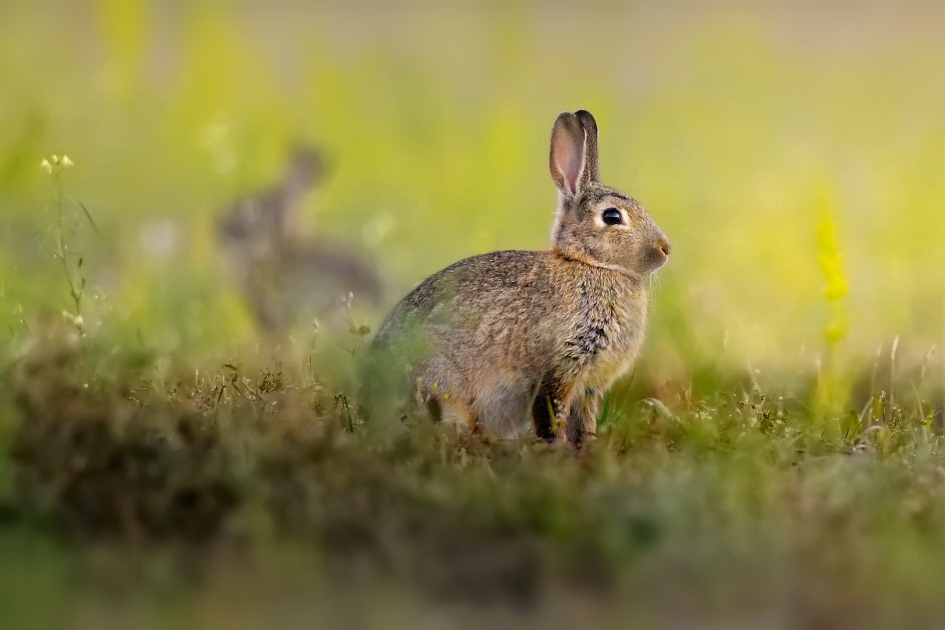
[653,284]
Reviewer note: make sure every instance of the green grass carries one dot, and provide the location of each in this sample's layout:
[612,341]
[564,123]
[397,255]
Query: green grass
[134,493]
[776,458]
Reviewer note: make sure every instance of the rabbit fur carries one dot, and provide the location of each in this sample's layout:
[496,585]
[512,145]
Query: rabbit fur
[510,340]
[280,275]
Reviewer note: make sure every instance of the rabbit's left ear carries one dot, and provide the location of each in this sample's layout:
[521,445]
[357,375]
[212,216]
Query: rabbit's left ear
[573,159]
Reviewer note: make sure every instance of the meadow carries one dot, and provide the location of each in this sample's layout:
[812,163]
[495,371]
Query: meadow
[775,460]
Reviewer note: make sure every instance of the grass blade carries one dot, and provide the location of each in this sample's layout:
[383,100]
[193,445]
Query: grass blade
[88,215]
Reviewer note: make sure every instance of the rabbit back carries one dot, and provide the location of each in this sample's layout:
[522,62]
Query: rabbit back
[307,279]
[326,273]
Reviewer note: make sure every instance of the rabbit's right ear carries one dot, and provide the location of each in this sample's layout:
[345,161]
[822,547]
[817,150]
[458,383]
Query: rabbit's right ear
[568,159]
[591,161]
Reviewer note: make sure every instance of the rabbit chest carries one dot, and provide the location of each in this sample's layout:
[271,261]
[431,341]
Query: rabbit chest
[606,334]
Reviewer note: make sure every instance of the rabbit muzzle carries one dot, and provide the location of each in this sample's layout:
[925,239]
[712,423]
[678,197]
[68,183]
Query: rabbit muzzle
[657,254]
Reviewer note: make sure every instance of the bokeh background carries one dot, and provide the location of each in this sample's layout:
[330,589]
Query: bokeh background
[793,152]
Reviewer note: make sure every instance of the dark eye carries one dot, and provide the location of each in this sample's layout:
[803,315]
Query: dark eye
[612,216]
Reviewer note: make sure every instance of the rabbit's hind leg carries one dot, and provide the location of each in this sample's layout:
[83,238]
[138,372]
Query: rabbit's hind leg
[551,409]
[503,411]
[443,390]
[452,411]
[582,419]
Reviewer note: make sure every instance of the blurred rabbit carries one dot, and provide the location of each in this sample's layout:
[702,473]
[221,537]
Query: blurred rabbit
[510,339]
[283,277]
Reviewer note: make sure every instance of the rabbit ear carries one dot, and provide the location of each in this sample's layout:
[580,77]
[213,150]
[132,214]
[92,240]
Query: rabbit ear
[591,161]
[568,153]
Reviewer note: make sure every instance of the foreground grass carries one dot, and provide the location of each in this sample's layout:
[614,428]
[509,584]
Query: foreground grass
[257,489]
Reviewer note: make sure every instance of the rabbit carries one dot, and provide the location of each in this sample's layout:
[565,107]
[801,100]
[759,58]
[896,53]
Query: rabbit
[513,340]
[282,276]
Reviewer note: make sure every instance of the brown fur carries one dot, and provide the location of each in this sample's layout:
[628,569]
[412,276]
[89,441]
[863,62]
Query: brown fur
[282,276]
[496,339]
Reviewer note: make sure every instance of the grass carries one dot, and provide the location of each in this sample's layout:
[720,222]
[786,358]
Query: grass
[775,460]
[163,493]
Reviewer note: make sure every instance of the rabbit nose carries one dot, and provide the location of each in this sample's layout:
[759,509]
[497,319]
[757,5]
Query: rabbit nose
[663,245]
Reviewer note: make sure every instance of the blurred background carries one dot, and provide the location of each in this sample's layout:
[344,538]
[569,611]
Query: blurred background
[793,153]
[220,153]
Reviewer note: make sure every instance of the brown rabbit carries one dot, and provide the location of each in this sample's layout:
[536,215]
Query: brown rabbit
[498,339]
[281,276]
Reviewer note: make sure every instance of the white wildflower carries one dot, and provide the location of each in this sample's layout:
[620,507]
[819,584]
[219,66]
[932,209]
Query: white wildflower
[47,166]
[77,320]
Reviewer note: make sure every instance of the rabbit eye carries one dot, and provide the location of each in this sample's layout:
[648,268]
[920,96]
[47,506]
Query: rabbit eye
[612,216]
